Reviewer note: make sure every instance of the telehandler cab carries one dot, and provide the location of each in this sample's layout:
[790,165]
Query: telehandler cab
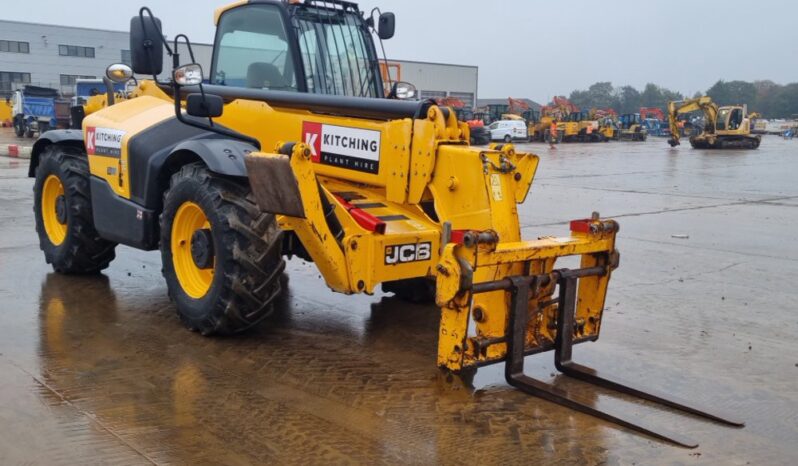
[292,149]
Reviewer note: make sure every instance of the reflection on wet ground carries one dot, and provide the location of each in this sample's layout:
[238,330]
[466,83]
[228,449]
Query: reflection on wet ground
[98,369]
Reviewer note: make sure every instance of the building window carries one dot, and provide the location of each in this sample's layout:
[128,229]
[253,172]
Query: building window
[14,77]
[126,58]
[75,51]
[9,78]
[432,94]
[70,79]
[14,46]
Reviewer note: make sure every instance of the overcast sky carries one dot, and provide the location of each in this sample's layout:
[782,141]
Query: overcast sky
[529,48]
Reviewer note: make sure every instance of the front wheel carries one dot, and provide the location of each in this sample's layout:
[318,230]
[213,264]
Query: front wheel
[222,256]
[19,126]
[63,211]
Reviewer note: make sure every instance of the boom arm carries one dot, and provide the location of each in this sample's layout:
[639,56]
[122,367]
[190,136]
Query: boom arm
[704,104]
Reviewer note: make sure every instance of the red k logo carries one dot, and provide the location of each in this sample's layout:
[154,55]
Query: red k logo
[90,143]
[311,135]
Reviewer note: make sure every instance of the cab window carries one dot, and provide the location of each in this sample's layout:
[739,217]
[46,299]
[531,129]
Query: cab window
[252,50]
[736,118]
[723,116]
[335,52]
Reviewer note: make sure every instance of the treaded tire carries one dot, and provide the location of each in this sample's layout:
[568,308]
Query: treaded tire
[247,247]
[82,251]
[19,127]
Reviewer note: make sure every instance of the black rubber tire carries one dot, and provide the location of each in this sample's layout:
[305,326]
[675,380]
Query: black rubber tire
[82,251]
[508,138]
[19,127]
[415,290]
[247,247]
[28,133]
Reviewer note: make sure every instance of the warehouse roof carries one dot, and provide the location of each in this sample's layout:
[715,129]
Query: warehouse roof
[483,102]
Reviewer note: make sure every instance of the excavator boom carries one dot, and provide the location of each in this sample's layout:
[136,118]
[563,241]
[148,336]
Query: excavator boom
[675,108]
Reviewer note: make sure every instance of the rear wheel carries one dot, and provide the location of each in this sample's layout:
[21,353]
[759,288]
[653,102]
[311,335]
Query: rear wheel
[64,221]
[222,256]
[507,138]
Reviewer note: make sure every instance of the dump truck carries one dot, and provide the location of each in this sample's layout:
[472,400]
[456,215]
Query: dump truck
[36,109]
[267,156]
[726,127]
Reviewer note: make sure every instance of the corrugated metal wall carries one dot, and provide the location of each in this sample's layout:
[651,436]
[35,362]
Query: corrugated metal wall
[441,79]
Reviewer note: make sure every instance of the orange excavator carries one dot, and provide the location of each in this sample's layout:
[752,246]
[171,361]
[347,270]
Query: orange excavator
[652,112]
[516,106]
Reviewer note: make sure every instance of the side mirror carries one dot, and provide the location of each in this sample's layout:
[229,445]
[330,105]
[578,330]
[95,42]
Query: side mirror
[188,75]
[209,106]
[119,73]
[386,26]
[403,91]
[146,45]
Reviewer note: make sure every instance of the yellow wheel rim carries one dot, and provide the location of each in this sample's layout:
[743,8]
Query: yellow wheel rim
[55,229]
[195,281]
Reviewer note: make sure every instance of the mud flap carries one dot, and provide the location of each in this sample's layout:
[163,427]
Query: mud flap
[274,185]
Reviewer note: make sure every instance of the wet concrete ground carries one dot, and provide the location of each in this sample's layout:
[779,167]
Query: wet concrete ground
[99,370]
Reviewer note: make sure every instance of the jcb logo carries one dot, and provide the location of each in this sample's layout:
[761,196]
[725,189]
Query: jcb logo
[403,253]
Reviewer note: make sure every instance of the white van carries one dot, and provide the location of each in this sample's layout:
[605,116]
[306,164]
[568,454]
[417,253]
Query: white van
[508,130]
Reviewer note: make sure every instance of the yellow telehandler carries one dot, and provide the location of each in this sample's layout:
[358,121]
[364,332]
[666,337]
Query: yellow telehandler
[289,148]
[727,127]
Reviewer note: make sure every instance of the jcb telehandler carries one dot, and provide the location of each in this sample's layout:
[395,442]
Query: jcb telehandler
[727,127]
[291,149]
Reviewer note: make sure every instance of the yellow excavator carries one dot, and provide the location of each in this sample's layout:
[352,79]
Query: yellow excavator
[727,127]
[277,154]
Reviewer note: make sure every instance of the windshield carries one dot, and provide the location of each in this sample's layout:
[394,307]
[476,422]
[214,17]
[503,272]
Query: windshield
[336,52]
[252,50]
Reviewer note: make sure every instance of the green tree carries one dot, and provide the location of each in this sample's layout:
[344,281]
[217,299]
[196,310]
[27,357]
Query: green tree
[601,95]
[651,96]
[598,95]
[733,93]
[627,100]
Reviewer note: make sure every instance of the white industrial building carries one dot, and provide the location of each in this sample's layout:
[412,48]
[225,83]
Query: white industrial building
[55,56]
[435,80]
